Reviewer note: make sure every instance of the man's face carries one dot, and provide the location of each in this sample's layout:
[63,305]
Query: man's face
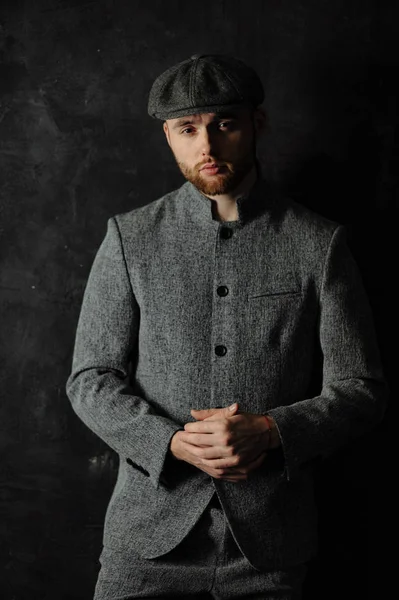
[227,138]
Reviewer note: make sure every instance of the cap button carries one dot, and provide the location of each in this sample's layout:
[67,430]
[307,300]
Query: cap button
[194,56]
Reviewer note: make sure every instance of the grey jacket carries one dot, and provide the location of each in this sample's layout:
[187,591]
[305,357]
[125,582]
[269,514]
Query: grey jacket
[184,311]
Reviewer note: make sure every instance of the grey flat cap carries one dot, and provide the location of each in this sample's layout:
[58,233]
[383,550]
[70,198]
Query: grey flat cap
[204,83]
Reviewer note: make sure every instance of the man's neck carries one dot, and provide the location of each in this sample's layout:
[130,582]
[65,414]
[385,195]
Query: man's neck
[224,206]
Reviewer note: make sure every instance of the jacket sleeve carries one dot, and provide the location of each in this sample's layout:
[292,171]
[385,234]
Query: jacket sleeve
[354,393]
[98,386]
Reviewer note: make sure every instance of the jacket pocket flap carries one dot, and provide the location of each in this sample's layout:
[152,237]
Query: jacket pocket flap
[291,289]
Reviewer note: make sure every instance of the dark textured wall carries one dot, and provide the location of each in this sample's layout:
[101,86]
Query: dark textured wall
[77,146]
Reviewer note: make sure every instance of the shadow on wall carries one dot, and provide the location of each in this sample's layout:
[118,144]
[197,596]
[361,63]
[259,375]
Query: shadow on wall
[352,180]
[353,166]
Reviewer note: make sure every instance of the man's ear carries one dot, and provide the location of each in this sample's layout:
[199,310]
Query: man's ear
[166,130]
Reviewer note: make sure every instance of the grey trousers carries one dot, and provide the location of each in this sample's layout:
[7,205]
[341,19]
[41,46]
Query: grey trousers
[206,564]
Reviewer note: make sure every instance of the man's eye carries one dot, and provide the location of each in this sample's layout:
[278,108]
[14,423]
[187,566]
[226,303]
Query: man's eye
[226,124]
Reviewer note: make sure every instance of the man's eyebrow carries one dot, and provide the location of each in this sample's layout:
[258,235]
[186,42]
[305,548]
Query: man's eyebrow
[217,117]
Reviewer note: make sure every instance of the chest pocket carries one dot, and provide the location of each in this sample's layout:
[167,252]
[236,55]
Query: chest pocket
[271,309]
[282,290]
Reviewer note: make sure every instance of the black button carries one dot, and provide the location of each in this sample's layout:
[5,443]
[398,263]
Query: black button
[226,233]
[220,350]
[222,290]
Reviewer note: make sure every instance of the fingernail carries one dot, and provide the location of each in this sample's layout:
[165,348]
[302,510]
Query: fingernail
[233,406]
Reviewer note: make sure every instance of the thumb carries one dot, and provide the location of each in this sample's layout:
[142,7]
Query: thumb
[208,413]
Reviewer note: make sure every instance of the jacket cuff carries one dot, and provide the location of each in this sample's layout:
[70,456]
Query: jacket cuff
[152,459]
[170,465]
[291,440]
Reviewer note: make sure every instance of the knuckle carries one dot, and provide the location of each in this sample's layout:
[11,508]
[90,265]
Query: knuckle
[192,450]
[200,452]
[226,439]
[204,461]
[224,425]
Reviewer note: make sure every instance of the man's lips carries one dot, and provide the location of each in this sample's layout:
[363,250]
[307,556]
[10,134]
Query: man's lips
[211,167]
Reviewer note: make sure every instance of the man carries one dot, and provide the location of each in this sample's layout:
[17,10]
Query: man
[225,346]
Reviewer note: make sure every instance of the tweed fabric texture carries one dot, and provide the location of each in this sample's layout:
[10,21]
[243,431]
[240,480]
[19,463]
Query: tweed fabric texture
[204,83]
[206,564]
[158,335]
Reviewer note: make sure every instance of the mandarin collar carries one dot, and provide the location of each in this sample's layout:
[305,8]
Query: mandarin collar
[249,205]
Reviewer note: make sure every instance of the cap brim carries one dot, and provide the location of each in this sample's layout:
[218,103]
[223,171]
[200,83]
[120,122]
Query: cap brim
[182,112]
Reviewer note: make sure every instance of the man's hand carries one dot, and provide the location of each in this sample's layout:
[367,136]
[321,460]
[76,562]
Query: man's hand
[224,444]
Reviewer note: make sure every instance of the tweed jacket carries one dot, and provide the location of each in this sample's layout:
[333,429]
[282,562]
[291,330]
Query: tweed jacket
[182,310]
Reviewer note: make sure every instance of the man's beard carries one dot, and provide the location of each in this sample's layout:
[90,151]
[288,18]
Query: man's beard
[222,183]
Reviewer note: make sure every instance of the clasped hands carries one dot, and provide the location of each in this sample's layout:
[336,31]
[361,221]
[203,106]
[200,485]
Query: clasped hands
[224,444]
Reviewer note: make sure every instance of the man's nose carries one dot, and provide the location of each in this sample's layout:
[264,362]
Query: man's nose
[208,142]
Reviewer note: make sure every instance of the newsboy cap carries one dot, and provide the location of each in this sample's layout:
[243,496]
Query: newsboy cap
[204,83]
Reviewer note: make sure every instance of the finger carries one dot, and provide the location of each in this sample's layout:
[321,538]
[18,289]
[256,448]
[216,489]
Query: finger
[230,464]
[202,454]
[212,412]
[227,411]
[211,456]
[252,463]
[256,463]
[220,460]
[203,414]
[233,479]
[202,427]
[220,474]
[223,414]
[199,439]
